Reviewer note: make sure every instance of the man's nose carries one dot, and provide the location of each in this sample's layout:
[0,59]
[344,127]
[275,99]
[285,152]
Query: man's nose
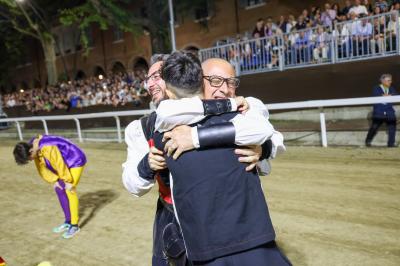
[224,88]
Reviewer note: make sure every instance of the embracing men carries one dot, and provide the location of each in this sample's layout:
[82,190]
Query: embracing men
[219,205]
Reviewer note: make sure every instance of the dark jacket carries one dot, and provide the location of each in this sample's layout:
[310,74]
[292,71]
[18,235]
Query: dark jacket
[220,206]
[383,110]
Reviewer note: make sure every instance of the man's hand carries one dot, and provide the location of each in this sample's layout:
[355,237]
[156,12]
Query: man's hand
[242,104]
[249,155]
[156,159]
[178,141]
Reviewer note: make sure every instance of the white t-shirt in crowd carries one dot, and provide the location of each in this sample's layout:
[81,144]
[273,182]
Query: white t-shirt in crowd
[358,10]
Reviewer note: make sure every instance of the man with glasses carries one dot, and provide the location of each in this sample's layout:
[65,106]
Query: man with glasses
[383,112]
[138,137]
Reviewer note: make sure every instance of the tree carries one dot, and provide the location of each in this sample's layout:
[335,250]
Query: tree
[36,18]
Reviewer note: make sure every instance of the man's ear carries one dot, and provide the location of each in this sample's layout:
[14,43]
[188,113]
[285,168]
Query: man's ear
[170,93]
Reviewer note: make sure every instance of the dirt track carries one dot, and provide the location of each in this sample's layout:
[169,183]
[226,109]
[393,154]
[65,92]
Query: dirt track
[336,206]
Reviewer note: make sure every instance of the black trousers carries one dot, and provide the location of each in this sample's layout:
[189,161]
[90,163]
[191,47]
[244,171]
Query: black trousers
[265,255]
[376,123]
[162,218]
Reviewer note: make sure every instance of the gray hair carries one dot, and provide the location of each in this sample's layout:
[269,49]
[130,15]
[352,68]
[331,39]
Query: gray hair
[158,57]
[384,76]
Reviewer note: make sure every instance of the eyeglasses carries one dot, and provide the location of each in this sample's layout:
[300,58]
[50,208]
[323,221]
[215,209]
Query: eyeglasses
[156,76]
[217,81]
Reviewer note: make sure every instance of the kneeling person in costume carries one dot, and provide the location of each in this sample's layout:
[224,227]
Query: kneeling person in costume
[59,162]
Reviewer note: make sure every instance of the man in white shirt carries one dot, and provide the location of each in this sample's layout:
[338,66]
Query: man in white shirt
[364,35]
[358,9]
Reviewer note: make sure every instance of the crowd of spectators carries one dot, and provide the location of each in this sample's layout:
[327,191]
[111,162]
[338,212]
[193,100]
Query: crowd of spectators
[308,38]
[115,89]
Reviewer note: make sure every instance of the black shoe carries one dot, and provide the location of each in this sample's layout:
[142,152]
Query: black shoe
[393,146]
[368,144]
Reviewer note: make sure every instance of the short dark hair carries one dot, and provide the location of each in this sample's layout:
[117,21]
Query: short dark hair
[182,74]
[158,57]
[22,153]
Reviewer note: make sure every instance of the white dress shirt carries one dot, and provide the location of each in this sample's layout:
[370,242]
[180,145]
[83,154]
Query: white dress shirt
[137,149]
[252,128]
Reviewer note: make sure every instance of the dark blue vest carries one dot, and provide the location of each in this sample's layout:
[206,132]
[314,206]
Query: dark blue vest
[220,206]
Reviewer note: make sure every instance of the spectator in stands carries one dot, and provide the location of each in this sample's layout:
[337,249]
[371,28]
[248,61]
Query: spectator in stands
[314,12]
[358,9]
[320,51]
[306,16]
[282,24]
[339,15]
[291,24]
[259,28]
[328,16]
[74,100]
[301,24]
[364,35]
[396,6]
[271,28]
[391,33]
[378,41]
[346,9]
[368,6]
[302,48]
[377,10]
[317,21]
[382,5]
[11,101]
[342,33]
[383,112]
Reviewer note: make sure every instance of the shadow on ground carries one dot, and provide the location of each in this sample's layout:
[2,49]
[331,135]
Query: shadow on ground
[92,202]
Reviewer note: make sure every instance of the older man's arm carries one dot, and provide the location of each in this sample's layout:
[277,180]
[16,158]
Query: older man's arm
[137,149]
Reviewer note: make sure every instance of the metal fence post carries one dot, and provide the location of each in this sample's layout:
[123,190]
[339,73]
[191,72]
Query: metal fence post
[237,59]
[19,131]
[323,128]
[281,53]
[46,131]
[78,128]
[333,44]
[398,33]
[118,129]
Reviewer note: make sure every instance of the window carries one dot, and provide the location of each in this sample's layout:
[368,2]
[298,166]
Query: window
[118,35]
[248,4]
[203,12]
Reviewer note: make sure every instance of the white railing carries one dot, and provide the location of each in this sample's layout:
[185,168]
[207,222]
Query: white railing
[320,104]
[76,118]
[364,38]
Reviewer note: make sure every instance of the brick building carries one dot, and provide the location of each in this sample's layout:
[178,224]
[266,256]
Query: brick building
[114,50]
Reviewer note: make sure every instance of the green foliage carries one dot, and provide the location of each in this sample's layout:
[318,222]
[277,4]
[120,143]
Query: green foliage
[104,13]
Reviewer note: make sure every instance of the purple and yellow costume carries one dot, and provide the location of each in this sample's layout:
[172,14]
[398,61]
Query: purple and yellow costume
[59,160]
